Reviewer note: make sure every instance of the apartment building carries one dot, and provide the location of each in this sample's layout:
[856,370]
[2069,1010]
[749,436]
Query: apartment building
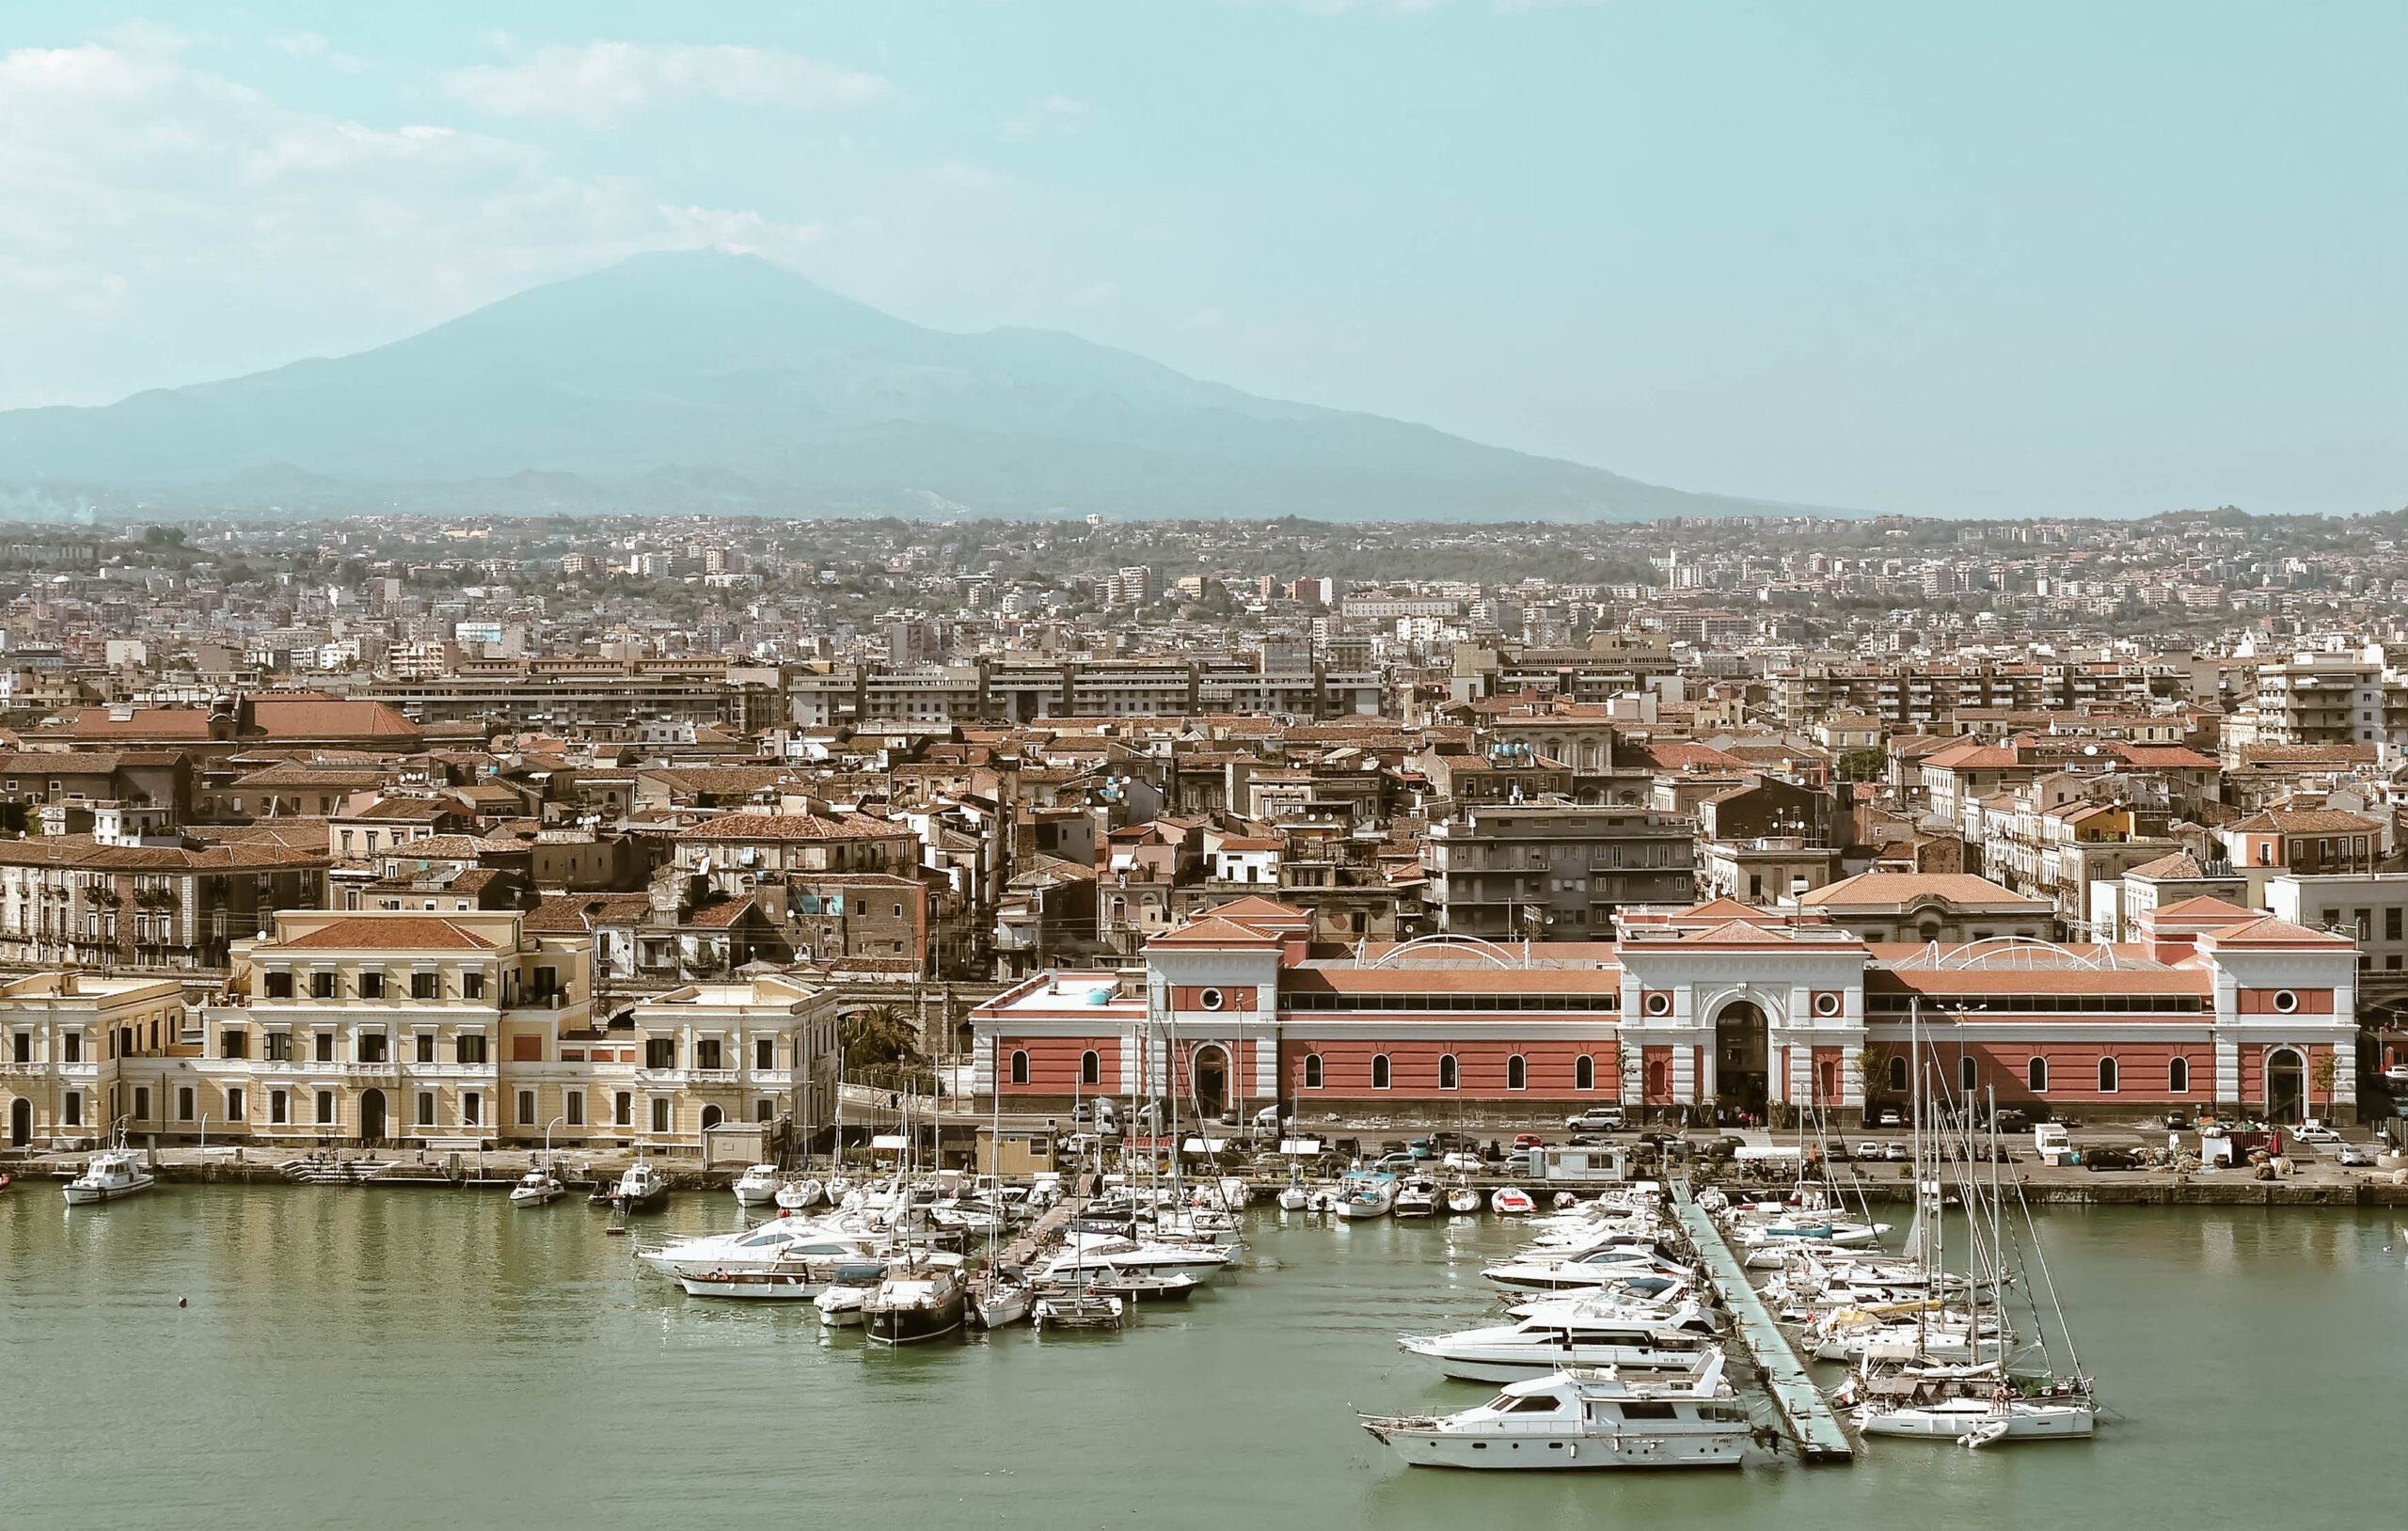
[82,1055]
[1553,871]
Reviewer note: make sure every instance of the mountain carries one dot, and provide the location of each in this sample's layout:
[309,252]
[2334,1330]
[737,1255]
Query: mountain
[700,380]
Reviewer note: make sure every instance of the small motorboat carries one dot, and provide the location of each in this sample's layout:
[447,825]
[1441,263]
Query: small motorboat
[535,1189]
[1172,1286]
[771,1286]
[1973,1422]
[1081,1310]
[838,1188]
[642,1189]
[840,1301]
[1511,1201]
[1418,1198]
[798,1195]
[756,1184]
[1322,1201]
[110,1176]
[1371,1194]
[1463,1201]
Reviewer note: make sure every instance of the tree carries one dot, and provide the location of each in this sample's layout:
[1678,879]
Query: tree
[881,1048]
[1864,764]
[1868,1071]
[2322,1076]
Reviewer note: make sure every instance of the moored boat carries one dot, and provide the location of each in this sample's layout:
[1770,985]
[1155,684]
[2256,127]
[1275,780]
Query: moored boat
[536,1188]
[112,1174]
[1584,1419]
[1511,1201]
[798,1195]
[641,1189]
[756,1184]
[924,1299]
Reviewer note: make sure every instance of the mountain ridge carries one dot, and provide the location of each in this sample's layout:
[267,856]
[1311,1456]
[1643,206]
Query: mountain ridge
[710,367]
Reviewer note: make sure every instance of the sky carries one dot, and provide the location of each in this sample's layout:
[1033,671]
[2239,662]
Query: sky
[1938,260]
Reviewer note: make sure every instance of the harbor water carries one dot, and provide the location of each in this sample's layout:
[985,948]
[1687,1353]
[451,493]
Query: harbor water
[421,1358]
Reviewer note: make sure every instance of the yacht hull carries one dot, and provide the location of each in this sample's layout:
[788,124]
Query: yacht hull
[914,1325]
[88,1195]
[1562,1453]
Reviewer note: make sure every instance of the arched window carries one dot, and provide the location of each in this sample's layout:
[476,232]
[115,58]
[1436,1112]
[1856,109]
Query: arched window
[1660,1079]
[2106,1076]
[2177,1076]
[1897,1074]
[1968,1076]
[1020,1068]
[1584,1072]
[1380,1072]
[2036,1075]
[1090,1067]
[1446,1076]
[1313,1071]
[1517,1073]
[712,1117]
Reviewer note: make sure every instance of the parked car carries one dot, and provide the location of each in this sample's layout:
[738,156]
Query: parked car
[1465,1163]
[2315,1131]
[2353,1156]
[1397,1164]
[1530,1140]
[2110,1159]
[1869,1149]
[1837,1153]
[1897,1151]
[1595,1119]
[2396,1074]
[2178,1121]
[1889,1116]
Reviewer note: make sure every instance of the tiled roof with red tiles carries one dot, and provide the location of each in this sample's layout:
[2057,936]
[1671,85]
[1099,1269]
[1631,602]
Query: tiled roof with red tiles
[417,933]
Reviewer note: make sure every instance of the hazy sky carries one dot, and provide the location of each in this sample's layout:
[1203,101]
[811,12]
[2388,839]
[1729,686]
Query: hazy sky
[1935,258]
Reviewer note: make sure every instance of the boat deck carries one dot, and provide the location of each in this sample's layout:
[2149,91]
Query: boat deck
[1812,1423]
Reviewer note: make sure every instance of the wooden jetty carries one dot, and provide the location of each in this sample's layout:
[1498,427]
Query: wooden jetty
[1808,1415]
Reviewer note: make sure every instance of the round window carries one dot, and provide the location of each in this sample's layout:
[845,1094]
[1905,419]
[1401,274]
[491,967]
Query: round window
[1209,998]
[2285,1001]
[1660,1005]
[1827,1004]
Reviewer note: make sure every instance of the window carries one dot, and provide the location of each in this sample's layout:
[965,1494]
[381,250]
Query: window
[70,1047]
[1019,1067]
[373,1046]
[2391,923]
[426,1047]
[234,1103]
[660,1052]
[2177,1076]
[426,1108]
[234,1044]
[469,1048]
[2285,1001]
[573,1107]
[526,1107]
[322,985]
[1090,1067]
[325,1107]
[660,1113]
[712,1117]
[279,986]
[1967,1077]
[472,985]
[1897,1075]
[2036,1075]
[1380,1072]
[141,1104]
[708,1053]
[471,1108]
[1211,999]
[1656,1004]
[765,1052]
[74,1109]
[323,1046]
[1584,1072]
[372,986]
[280,1108]
[2106,1076]
[426,986]
[765,1110]
[1313,1071]
[1517,1073]
[22,1048]
[1447,1072]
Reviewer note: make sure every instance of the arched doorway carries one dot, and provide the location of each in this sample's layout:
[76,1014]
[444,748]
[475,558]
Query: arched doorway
[1211,1080]
[2286,1087]
[21,1122]
[1742,1059]
[371,1117]
[712,1117]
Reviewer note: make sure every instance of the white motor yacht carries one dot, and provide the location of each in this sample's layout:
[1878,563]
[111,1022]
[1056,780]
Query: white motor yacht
[756,1184]
[1612,1336]
[1367,1195]
[1593,1269]
[111,1175]
[1583,1418]
[1418,1198]
[641,1189]
[924,1299]
[785,1243]
[1091,1251]
[535,1188]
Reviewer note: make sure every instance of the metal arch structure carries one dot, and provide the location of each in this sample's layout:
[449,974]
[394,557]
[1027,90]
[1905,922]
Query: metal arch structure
[1477,945]
[2015,953]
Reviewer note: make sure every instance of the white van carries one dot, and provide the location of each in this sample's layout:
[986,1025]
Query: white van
[2051,1138]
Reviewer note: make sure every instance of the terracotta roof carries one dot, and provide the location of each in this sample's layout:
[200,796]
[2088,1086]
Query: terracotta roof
[1887,888]
[2181,864]
[1214,931]
[390,934]
[2306,821]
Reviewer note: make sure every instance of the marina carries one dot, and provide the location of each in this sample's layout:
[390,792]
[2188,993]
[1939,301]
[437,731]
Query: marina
[441,1321]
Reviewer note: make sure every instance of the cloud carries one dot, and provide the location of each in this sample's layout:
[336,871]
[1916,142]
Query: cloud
[1051,116]
[315,48]
[1093,295]
[603,81]
[129,174]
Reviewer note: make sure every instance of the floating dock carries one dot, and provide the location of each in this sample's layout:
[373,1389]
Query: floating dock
[1819,1434]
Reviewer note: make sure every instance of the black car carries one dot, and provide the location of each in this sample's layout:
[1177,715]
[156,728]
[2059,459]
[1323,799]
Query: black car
[2176,1122]
[2110,1159]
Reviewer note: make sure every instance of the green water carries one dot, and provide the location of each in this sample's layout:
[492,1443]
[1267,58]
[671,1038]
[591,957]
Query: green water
[409,1358]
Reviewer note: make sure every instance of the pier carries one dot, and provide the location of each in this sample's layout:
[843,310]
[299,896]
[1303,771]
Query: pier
[1818,1431]
[1039,1234]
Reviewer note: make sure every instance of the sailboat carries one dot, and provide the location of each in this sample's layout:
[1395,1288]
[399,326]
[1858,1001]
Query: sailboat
[1952,1375]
